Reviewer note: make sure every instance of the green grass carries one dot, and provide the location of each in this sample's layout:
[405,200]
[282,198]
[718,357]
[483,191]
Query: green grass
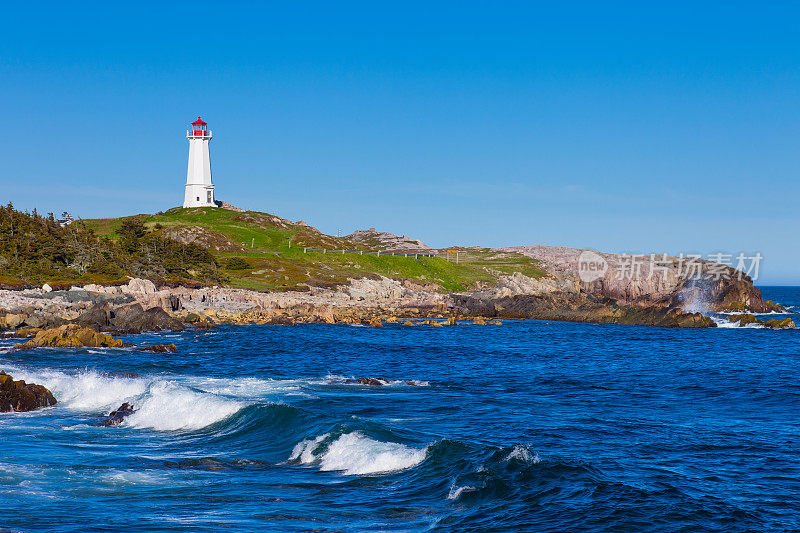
[273,248]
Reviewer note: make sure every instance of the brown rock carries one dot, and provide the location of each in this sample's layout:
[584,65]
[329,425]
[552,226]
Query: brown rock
[160,348]
[20,396]
[744,319]
[784,323]
[116,417]
[71,336]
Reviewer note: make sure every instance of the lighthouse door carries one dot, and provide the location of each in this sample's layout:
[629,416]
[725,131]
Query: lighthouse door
[209,196]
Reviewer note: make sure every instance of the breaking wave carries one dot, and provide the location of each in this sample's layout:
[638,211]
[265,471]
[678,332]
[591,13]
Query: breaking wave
[356,454]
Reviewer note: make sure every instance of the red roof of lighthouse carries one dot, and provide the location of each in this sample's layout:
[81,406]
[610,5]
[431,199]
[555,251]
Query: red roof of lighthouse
[199,122]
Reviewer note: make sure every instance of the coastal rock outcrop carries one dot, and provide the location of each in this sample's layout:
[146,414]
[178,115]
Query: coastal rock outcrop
[160,348]
[657,280]
[784,323]
[20,396]
[581,308]
[117,416]
[70,336]
[131,318]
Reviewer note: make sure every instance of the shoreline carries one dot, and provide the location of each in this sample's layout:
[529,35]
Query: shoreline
[142,306]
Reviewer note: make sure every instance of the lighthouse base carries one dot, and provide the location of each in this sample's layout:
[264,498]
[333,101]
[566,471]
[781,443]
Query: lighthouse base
[199,196]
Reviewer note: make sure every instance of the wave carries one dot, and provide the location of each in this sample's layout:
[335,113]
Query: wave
[725,323]
[333,379]
[168,406]
[86,391]
[160,404]
[356,454]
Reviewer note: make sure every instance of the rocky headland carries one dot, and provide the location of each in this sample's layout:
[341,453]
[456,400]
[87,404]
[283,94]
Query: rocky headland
[660,298]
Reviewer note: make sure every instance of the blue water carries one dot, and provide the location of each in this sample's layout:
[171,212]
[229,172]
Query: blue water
[531,426]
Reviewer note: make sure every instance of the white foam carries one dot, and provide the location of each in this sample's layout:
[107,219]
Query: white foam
[169,406]
[246,387]
[304,450]
[725,323]
[521,453]
[356,454]
[159,404]
[85,391]
[456,492]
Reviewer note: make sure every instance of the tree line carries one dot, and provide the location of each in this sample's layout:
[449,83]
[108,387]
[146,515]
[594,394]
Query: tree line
[36,248]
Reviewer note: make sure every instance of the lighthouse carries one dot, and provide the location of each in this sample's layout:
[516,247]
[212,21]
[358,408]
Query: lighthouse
[199,189]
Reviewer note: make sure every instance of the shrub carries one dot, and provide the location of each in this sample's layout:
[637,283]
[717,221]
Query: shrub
[236,263]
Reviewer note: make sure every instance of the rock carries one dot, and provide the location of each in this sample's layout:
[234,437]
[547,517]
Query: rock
[35,321]
[409,323]
[783,323]
[175,303]
[373,382]
[117,416]
[450,321]
[139,286]
[574,307]
[204,323]
[496,323]
[24,333]
[160,348]
[134,319]
[47,288]
[479,321]
[375,323]
[191,318]
[20,396]
[13,321]
[71,336]
[744,319]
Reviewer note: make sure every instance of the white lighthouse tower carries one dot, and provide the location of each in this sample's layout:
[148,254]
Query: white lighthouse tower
[199,189]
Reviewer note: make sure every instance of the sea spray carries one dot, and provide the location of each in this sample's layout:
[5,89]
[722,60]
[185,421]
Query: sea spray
[356,454]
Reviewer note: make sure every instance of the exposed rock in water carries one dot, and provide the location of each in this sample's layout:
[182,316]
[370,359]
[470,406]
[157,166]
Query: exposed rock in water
[71,336]
[784,323]
[581,308]
[660,281]
[744,319]
[21,396]
[378,382]
[117,416]
[160,348]
[132,318]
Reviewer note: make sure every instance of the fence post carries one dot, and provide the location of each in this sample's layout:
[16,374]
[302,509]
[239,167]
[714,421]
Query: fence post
[379,253]
[324,251]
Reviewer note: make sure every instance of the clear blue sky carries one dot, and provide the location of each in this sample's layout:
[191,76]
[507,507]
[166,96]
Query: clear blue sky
[605,125]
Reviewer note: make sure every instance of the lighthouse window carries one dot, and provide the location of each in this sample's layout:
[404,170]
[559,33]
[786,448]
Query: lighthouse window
[198,198]
[209,197]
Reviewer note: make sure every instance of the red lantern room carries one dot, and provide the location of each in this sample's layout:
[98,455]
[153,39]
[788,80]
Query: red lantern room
[199,128]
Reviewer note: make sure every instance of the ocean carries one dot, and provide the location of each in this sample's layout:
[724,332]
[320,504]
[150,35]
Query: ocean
[528,426]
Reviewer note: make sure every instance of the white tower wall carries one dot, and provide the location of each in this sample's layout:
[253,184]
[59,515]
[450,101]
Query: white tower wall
[199,188]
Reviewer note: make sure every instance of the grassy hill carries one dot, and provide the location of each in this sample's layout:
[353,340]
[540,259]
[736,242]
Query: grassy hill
[265,252]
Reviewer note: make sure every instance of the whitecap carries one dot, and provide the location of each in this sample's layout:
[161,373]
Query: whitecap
[85,391]
[521,453]
[168,406]
[356,454]
[456,492]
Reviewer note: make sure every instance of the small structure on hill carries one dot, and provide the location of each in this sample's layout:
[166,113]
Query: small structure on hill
[66,219]
[199,188]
